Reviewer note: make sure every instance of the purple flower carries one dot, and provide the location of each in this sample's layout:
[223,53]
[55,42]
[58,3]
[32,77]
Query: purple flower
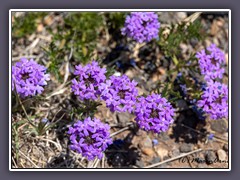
[119,93]
[89,77]
[29,77]
[184,88]
[90,138]
[141,26]
[154,113]
[211,136]
[214,100]
[211,65]
[155,142]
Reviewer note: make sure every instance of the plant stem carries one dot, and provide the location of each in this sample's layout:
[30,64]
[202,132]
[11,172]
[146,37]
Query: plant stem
[24,110]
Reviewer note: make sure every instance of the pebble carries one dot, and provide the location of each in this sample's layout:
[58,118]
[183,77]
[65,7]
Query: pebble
[175,153]
[184,148]
[182,15]
[219,126]
[130,74]
[210,157]
[225,147]
[140,164]
[123,118]
[148,151]
[162,152]
[164,136]
[156,160]
[221,155]
[146,142]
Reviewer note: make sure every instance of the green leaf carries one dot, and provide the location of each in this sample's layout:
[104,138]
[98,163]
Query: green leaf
[165,90]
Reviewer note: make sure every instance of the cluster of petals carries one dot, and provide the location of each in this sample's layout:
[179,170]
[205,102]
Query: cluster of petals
[29,77]
[119,93]
[90,138]
[154,113]
[211,63]
[141,26]
[88,78]
[214,100]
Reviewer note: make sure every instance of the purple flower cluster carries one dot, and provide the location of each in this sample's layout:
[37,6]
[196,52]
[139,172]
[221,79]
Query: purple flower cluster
[141,26]
[89,77]
[154,113]
[119,93]
[214,100]
[90,138]
[29,77]
[211,64]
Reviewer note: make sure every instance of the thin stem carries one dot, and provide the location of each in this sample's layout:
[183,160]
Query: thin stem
[24,110]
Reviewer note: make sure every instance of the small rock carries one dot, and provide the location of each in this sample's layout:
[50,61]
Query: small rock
[219,126]
[123,118]
[210,157]
[184,48]
[162,152]
[207,42]
[214,28]
[181,104]
[148,151]
[48,20]
[146,142]
[225,135]
[184,148]
[156,160]
[182,15]
[175,153]
[161,70]
[221,155]
[40,28]
[163,136]
[155,77]
[129,73]
[140,164]
[225,147]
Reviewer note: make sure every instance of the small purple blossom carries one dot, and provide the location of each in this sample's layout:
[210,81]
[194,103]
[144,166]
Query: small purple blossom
[141,26]
[211,136]
[29,77]
[119,93]
[154,113]
[155,142]
[90,138]
[211,65]
[214,100]
[183,88]
[89,77]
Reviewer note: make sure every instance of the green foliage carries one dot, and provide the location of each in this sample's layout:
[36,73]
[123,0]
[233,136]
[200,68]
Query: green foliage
[110,71]
[116,19]
[167,91]
[76,39]
[86,109]
[56,57]
[181,34]
[27,24]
